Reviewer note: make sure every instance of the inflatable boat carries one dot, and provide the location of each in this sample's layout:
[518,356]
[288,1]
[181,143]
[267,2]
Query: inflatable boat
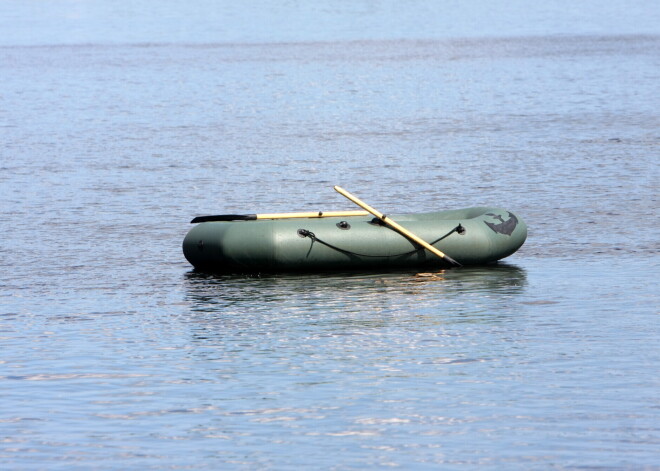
[352,241]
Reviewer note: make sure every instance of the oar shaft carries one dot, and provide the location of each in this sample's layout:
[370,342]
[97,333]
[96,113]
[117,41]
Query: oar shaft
[318,214]
[397,227]
[252,217]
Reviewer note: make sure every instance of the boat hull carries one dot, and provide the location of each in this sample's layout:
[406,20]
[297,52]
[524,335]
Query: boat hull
[472,236]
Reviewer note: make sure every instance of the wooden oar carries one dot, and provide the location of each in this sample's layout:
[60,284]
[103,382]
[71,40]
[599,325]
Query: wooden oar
[254,217]
[401,230]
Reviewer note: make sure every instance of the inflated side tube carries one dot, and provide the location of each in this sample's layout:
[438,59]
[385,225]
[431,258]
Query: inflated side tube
[471,236]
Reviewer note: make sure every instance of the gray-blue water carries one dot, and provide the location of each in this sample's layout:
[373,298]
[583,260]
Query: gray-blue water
[120,121]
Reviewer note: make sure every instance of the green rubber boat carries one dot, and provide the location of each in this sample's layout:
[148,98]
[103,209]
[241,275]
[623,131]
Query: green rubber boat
[472,236]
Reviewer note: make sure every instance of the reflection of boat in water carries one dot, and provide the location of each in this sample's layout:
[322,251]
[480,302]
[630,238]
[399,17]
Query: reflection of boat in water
[357,292]
[297,316]
[472,236]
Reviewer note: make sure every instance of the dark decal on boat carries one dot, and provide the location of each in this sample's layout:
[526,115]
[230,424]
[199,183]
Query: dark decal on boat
[504,227]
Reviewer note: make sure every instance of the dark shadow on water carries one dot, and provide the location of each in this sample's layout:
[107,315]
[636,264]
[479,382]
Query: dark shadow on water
[209,292]
[247,309]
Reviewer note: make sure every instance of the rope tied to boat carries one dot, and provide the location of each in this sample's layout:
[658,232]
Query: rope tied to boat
[309,234]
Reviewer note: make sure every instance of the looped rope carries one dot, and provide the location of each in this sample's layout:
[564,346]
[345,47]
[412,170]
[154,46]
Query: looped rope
[306,233]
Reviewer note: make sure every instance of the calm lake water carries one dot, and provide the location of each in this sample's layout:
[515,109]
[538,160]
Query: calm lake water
[118,126]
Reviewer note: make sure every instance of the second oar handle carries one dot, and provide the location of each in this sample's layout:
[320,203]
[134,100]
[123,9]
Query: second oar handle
[397,227]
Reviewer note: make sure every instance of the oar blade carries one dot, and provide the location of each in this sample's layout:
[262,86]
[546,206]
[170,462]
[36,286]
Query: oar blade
[225,217]
[451,261]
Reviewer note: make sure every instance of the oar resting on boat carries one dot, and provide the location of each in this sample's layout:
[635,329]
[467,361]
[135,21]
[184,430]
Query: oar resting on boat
[350,241]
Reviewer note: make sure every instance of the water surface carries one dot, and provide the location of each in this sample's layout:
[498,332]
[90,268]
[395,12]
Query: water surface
[116,355]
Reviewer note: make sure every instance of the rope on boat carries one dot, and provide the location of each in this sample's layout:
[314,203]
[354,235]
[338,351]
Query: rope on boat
[305,233]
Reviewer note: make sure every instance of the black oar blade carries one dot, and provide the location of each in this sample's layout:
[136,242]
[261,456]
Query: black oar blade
[452,261]
[225,217]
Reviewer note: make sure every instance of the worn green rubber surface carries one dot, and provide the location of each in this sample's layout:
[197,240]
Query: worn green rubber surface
[353,243]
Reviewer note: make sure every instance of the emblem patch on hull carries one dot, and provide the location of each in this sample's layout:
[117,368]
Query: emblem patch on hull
[503,227]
